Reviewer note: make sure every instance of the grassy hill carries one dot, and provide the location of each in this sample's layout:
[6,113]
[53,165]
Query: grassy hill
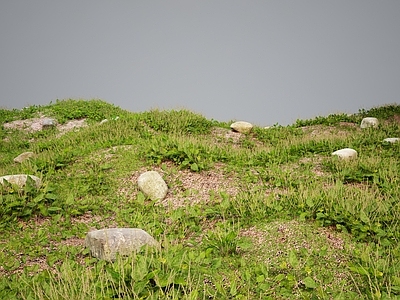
[266,215]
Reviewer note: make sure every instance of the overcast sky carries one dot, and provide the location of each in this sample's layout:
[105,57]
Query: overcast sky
[265,62]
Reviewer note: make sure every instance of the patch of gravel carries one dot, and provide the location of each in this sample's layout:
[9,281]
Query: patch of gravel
[277,238]
[71,125]
[28,125]
[272,244]
[184,187]
[227,135]
[36,124]
[316,162]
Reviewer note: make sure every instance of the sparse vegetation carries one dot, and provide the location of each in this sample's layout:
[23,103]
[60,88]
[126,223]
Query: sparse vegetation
[265,215]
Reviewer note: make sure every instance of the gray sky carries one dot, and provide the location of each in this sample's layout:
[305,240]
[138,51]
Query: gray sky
[265,62]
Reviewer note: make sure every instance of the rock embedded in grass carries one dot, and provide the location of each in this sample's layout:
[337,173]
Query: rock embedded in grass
[369,122]
[23,156]
[48,123]
[152,185]
[20,179]
[106,243]
[391,140]
[242,126]
[346,153]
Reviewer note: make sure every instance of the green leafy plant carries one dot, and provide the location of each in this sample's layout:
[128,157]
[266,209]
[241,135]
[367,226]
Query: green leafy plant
[27,202]
[225,241]
[187,156]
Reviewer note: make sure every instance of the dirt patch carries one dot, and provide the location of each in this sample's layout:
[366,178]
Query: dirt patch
[226,135]
[280,237]
[328,249]
[185,187]
[323,132]
[36,124]
[393,120]
[317,165]
[71,125]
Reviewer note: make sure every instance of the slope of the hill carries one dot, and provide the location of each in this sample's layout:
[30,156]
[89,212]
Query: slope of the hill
[265,215]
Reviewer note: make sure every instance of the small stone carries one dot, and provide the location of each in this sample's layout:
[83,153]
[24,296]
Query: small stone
[153,185]
[20,179]
[106,243]
[23,156]
[346,153]
[103,121]
[242,127]
[48,123]
[369,122]
[391,140]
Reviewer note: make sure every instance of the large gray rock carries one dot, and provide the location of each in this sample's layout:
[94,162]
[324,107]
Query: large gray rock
[153,185]
[106,243]
[346,153]
[23,156]
[369,122]
[20,179]
[242,127]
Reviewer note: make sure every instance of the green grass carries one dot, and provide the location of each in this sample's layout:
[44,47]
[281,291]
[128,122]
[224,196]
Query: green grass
[265,215]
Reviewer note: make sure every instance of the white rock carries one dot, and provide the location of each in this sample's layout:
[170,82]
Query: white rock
[106,243]
[391,140]
[23,156]
[242,127]
[346,153]
[20,179]
[369,122]
[153,185]
[103,121]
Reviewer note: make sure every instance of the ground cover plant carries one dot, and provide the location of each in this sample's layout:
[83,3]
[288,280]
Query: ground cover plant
[265,215]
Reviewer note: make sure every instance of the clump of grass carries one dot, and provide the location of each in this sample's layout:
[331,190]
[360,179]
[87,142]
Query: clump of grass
[95,110]
[176,121]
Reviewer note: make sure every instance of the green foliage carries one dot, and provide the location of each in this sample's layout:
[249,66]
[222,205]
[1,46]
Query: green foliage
[332,119]
[8,115]
[225,241]
[181,121]
[187,155]
[96,110]
[275,135]
[26,202]
[381,112]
